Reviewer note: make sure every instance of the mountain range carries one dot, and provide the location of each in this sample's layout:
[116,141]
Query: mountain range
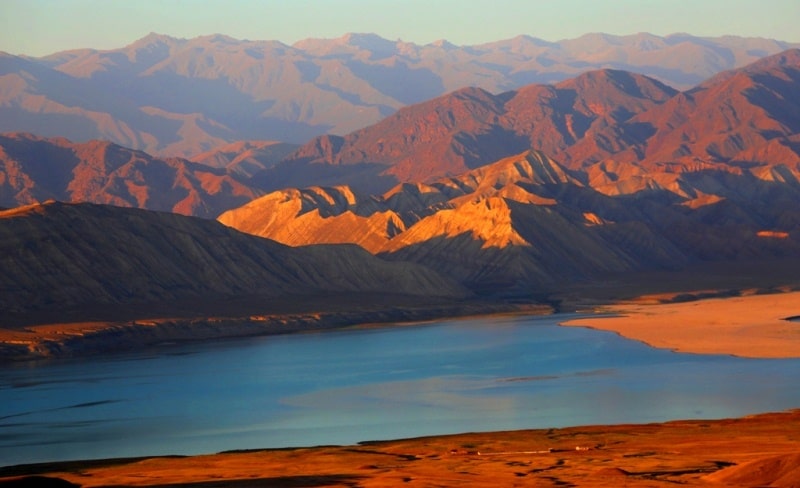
[746,116]
[528,223]
[467,197]
[627,174]
[183,97]
[743,118]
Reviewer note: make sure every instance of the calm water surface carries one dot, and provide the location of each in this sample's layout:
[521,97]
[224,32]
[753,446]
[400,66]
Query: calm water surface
[349,386]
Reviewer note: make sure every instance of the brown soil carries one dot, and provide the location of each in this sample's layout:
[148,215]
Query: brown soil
[760,450]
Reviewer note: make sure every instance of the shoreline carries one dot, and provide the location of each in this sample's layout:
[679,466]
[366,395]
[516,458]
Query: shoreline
[750,326]
[754,450]
[106,329]
[88,339]
[744,325]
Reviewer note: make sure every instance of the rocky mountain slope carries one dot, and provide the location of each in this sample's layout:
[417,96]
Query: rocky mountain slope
[57,257]
[183,97]
[471,127]
[528,223]
[34,169]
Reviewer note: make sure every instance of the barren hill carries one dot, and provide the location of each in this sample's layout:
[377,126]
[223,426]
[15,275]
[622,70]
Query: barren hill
[35,169]
[746,117]
[60,257]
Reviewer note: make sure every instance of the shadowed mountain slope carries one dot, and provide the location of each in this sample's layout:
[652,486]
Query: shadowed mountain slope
[182,97]
[59,256]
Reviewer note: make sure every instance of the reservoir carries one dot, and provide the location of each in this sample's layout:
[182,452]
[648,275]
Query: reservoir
[346,386]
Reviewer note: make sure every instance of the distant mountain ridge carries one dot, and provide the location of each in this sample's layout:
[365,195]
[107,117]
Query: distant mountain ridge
[179,97]
[614,125]
[747,116]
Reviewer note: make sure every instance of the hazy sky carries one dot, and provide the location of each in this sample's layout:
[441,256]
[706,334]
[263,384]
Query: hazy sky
[38,27]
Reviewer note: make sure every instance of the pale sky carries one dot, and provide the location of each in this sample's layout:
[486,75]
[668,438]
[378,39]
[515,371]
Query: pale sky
[39,27]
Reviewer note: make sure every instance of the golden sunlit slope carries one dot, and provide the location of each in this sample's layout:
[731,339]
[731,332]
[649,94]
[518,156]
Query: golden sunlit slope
[527,221]
[332,215]
[336,214]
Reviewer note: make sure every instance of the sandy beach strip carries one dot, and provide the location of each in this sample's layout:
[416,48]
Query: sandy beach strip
[755,326]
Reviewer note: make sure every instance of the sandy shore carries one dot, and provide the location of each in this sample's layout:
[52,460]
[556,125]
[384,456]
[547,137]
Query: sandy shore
[755,326]
[761,450]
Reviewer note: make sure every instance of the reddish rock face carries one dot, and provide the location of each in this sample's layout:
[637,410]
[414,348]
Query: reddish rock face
[35,169]
[742,118]
[747,117]
[471,127]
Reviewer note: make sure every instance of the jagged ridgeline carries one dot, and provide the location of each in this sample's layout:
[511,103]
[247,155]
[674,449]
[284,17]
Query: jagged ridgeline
[183,97]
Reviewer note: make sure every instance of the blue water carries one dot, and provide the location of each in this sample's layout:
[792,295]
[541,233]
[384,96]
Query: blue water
[348,386]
